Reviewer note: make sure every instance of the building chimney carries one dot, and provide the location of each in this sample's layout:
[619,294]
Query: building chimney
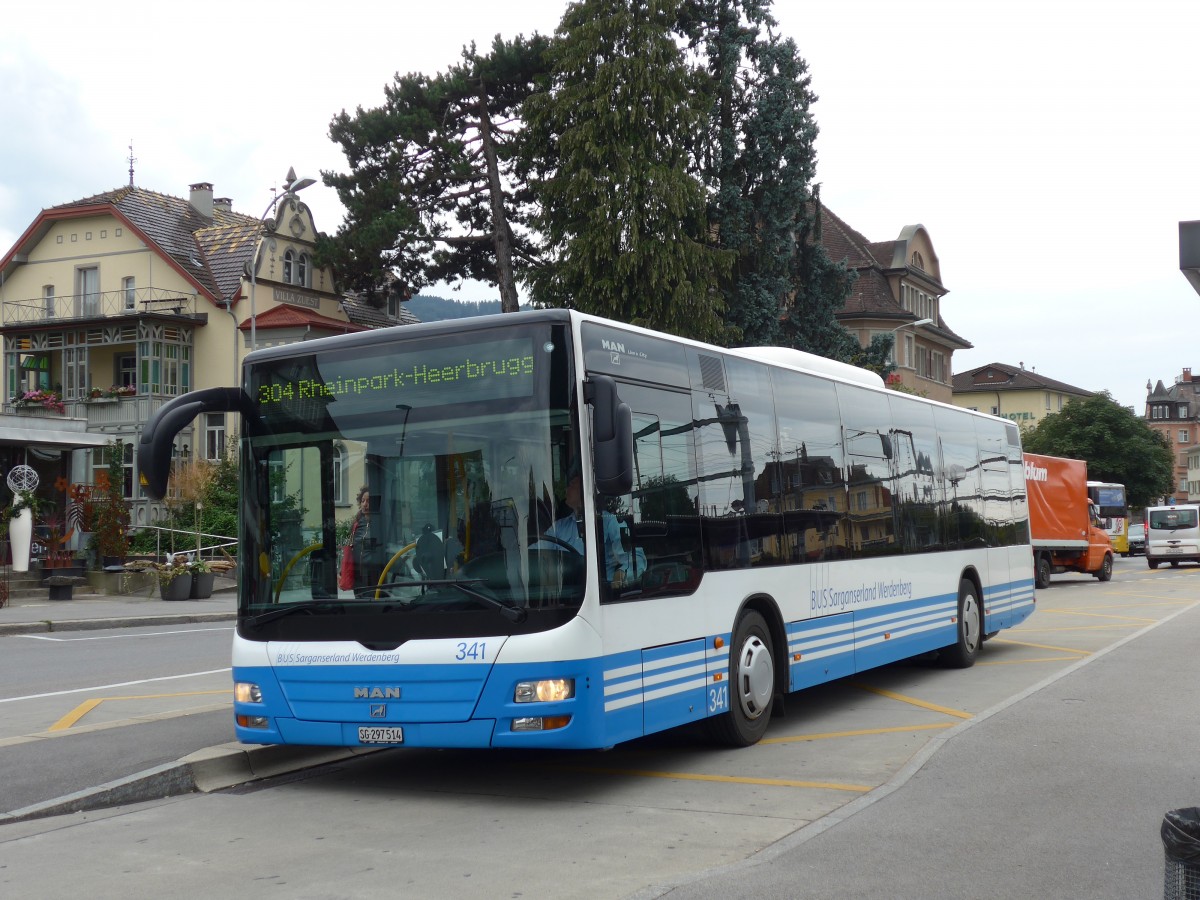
[224,204]
[201,198]
[1187,376]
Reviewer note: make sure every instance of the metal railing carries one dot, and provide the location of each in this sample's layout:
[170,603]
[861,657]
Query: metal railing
[100,305]
[193,542]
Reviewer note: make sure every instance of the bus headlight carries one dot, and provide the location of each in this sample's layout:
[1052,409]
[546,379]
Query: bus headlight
[544,691]
[247,692]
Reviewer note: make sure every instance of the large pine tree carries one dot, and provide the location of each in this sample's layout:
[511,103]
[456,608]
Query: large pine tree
[429,196]
[622,218]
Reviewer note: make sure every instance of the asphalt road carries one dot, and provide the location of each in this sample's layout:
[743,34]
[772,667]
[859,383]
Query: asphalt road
[1043,771]
[82,708]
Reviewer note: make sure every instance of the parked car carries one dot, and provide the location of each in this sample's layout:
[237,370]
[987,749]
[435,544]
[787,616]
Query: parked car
[1137,538]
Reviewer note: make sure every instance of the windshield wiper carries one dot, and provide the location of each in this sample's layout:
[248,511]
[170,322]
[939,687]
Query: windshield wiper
[311,607]
[509,610]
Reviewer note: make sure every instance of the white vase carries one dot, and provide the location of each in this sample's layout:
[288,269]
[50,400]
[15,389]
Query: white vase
[20,534]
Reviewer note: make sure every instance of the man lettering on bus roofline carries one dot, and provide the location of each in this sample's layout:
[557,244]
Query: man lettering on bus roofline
[569,530]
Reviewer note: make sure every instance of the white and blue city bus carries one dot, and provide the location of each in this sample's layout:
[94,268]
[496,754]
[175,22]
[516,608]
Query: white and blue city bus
[749,523]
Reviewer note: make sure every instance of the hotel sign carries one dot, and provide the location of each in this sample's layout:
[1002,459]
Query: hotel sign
[296,298]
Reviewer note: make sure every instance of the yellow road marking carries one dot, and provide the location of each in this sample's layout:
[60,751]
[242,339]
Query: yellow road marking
[723,779]
[1142,619]
[913,701]
[1042,646]
[828,735]
[106,726]
[88,705]
[1025,662]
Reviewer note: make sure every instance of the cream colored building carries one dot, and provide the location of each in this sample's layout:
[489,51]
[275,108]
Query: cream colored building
[1013,392]
[118,302]
[898,291]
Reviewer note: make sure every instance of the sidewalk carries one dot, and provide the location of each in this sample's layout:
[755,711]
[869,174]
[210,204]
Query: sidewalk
[90,611]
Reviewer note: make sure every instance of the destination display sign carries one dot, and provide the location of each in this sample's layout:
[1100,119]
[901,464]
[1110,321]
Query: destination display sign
[396,376]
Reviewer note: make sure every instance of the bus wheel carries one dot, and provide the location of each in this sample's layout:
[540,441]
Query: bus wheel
[1105,573]
[1042,574]
[961,654]
[752,684]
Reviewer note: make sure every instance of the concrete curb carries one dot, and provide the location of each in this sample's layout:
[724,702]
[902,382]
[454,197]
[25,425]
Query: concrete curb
[204,771]
[46,626]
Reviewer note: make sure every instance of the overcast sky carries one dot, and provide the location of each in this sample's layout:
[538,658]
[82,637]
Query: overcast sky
[1050,148]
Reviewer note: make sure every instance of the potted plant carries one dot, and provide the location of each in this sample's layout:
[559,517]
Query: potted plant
[44,398]
[202,579]
[174,579]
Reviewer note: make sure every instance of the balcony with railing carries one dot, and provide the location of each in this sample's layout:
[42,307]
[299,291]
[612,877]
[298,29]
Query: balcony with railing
[98,305]
[100,412]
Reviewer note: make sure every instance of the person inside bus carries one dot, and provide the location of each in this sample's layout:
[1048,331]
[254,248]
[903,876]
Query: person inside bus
[568,530]
[429,557]
[358,551]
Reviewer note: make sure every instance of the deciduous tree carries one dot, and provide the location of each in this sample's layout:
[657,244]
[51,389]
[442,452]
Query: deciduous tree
[1117,445]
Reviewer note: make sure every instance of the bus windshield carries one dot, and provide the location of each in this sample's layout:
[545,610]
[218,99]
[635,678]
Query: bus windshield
[413,480]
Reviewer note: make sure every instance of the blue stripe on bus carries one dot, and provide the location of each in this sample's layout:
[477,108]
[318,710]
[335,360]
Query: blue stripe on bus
[641,691]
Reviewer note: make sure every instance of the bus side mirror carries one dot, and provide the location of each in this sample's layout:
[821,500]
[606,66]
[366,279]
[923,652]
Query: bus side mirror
[612,432]
[158,435]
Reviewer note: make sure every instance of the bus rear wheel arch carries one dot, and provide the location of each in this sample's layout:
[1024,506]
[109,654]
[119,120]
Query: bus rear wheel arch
[968,629]
[752,683]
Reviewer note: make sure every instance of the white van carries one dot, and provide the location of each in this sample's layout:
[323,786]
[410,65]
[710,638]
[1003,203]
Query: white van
[1172,534]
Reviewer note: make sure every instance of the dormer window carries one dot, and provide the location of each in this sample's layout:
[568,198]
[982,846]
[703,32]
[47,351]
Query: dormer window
[917,262]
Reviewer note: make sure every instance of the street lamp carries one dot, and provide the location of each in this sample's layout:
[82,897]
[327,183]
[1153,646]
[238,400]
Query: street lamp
[291,186]
[895,355]
[912,325]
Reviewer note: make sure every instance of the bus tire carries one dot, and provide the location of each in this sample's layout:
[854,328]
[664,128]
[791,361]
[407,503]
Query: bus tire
[961,654]
[1042,569]
[751,684]
[1105,573]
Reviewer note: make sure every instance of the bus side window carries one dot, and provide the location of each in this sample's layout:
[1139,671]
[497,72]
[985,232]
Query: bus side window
[658,518]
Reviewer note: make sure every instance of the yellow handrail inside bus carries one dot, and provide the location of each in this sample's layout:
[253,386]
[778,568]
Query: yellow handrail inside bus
[382,575]
[291,562]
[307,550]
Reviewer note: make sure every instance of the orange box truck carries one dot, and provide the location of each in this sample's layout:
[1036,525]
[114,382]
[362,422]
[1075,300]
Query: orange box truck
[1066,534]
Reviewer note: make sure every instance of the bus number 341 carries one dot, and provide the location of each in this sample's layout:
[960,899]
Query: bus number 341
[476,650]
[718,699]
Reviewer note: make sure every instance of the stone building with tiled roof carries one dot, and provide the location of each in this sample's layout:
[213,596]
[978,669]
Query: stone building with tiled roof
[117,302]
[1174,412]
[1013,392]
[898,291]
